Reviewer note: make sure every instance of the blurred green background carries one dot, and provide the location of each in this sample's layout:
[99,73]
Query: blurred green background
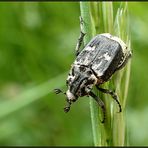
[37,42]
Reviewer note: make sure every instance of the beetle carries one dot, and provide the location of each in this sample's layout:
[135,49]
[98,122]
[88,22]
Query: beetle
[94,65]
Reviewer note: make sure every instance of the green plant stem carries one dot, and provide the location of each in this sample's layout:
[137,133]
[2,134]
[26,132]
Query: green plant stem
[89,29]
[112,133]
[122,78]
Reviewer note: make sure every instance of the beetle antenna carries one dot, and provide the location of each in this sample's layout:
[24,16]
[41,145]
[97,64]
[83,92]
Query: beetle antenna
[58,91]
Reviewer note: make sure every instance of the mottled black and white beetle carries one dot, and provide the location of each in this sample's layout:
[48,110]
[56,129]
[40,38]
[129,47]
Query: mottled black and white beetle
[94,65]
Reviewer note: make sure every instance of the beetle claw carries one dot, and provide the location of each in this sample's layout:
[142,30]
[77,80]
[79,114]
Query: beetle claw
[57,91]
[66,109]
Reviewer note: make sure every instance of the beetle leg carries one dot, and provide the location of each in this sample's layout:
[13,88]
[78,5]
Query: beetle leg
[57,91]
[100,102]
[112,93]
[81,37]
[67,107]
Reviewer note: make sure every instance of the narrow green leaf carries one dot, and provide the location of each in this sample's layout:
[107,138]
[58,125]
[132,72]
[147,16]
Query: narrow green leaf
[29,96]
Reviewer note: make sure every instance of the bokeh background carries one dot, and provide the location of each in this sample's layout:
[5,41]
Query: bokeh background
[37,42]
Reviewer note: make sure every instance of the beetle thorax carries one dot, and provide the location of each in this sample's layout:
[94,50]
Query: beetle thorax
[80,81]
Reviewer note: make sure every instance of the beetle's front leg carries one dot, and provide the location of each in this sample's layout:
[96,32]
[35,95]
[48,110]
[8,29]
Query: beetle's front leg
[112,93]
[58,91]
[81,37]
[100,102]
[67,107]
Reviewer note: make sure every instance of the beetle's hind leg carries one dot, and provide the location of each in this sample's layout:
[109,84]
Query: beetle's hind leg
[113,94]
[81,37]
[101,104]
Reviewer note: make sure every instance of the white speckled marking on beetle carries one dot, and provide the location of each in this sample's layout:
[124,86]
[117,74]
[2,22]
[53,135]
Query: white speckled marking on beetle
[107,57]
[70,96]
[90,48]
